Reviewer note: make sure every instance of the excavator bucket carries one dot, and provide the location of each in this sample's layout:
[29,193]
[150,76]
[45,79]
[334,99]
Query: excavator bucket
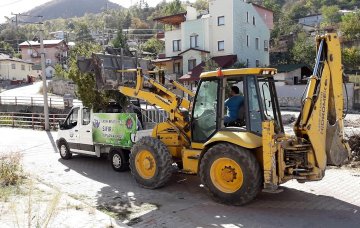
[337,151]
[106,67]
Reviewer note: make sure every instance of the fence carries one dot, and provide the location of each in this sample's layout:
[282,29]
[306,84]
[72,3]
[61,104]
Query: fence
[154,115]
[29,120]
[53,102]
[37,120]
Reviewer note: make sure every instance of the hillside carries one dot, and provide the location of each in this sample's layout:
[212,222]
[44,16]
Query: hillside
[71,8]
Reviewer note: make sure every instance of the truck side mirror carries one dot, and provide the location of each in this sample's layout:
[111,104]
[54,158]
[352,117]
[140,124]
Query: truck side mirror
[61,126]
[73,123]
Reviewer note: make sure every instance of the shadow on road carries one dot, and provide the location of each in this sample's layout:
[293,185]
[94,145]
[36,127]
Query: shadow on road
[183,202]
[52,141]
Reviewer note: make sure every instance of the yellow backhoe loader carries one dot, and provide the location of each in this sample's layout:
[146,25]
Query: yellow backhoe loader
[237,159]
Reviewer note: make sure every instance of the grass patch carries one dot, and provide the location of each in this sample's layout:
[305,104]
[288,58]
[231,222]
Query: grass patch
[11,174]
[11,171]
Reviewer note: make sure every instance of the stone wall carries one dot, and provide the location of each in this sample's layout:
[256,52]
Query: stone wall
[289,96]
[62,86]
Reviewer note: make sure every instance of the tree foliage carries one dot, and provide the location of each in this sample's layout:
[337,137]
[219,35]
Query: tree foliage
[201,5]
[210,64]
[303,50]
[330,14]
[173,7]
[350,26]
[120,40]
[86,86]
[351,58]
[6,48]
[83,33]
[154,45]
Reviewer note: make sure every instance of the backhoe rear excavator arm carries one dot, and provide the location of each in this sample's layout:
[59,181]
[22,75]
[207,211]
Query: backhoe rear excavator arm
[321,117]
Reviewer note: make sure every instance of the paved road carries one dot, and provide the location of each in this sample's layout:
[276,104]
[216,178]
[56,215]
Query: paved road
[332,202]
[26,92]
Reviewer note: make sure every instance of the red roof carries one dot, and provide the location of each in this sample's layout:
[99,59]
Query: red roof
[223,62]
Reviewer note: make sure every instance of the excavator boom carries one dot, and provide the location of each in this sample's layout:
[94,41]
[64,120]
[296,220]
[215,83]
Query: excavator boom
[322,113]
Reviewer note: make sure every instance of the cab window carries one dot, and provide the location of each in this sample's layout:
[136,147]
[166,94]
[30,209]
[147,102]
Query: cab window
[71,120]
[85,116]
[205,111]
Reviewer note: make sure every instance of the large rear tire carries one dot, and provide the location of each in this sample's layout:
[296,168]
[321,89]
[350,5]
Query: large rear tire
[150,163]
[231,174]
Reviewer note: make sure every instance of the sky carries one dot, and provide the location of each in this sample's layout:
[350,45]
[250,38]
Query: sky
[20,6]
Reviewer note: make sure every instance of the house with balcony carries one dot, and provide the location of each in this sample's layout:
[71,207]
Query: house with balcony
[232,31]
[56,52]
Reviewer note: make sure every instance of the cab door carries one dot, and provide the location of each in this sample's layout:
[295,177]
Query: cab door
[71,127]
[205,111]
[85,131]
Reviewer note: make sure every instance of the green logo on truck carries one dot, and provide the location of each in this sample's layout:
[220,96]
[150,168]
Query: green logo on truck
[114,128]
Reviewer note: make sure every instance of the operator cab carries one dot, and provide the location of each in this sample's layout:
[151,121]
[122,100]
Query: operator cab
[256,96]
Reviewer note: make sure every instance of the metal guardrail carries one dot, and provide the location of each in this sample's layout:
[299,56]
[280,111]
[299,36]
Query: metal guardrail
[154,115]
[37,120]
[34,101]
[29,120]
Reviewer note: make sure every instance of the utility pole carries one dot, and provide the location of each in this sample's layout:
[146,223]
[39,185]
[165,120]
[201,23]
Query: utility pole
[42,53]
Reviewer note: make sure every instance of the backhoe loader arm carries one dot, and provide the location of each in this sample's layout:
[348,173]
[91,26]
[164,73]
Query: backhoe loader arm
[162,97]
[321,117]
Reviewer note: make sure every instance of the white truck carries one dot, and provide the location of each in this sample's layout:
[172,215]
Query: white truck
[85,132]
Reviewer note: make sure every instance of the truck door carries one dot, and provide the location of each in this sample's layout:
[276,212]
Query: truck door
[71,125]
[85,131]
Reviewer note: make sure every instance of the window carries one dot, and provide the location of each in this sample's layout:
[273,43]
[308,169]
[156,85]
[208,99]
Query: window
[191,64]
[257,43]
[177,67]
[221,45]
[194,41]
[205,111]
[71,120]
[176,45]
[247,40]
[254,106]
[266,45]
[85,116]
[221,20]
[254,21]
[257,63]
[247,17]
[22,67]
[48,61]
[13,66]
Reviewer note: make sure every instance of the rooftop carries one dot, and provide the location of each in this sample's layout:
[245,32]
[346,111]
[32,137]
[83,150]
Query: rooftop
[36,43]
[175,19]
[7,57]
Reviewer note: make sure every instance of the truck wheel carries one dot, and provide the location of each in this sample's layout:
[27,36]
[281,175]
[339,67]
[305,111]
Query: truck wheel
[119,161]
[150,163]
[64,150]
[231,174]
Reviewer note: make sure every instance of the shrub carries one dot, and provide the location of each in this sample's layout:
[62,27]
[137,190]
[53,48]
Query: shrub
[11,171]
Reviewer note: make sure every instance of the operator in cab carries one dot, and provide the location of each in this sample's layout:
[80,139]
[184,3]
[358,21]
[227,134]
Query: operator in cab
[233,105]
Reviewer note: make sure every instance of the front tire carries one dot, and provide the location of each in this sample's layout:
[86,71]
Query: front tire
[231,174]
[150,163]
[119,160]
[64,150]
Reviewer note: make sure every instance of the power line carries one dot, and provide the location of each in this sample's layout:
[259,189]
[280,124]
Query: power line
[11,3]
